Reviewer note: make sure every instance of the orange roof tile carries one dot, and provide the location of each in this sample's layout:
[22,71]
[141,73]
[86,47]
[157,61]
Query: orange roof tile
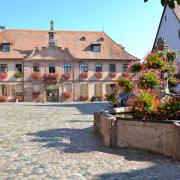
[23,42]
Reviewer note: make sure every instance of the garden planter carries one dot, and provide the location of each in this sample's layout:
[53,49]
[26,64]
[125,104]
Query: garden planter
[99,75]
[157,136]
[36,75]
[84,75]
[3,75]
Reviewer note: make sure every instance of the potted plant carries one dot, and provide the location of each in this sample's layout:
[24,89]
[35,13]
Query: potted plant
[66,95]
[84,75]
[3,75]
[51,77]
[67,75]
[18,75]
[36,75]
[99,75]
[112,75]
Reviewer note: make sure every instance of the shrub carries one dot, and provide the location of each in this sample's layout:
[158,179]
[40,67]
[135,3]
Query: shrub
[148,79]
[84,75]
[126,85]
[18,75]
[3,98]
[154,61]
[3,75]
[169,109]
[112,75]
[36,75]
[172,82]
[135,67]
[99,75]
[66,95]
[145,104]
[171,56]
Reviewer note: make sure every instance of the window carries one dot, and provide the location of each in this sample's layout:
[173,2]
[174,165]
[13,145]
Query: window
[83,68]
[98,67]
[98,90]
[19,68]
[82,38]
[112,68]
[95,47]
[67,68]
[5,47]
[52,68]
[84,90]
[36,68]
[3,68]
[125,67]
[101,39]
[7,90]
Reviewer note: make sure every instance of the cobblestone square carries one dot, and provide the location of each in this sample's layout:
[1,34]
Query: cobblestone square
[56,141]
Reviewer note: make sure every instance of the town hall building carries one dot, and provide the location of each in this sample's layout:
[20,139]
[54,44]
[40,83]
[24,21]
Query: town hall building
[54,66]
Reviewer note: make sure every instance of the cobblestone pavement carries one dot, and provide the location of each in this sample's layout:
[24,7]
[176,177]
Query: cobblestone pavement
[55,141]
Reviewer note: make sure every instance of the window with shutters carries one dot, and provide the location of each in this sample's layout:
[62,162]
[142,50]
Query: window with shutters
[98,90]
[84,90]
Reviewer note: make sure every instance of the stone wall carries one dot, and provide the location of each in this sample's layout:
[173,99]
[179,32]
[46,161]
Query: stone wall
[159,137]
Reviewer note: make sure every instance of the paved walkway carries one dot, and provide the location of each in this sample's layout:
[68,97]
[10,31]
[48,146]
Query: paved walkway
[46,141]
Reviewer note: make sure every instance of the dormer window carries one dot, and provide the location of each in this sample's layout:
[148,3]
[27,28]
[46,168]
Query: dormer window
[82,38]
[101,39]
[5,47]
[95,47]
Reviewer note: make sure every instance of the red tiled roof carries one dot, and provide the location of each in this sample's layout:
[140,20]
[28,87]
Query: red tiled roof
[23,42]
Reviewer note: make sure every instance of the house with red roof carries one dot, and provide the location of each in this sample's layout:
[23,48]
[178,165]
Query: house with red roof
[54,66]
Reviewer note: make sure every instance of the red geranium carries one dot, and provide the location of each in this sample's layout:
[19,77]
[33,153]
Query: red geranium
[84,75]
[36,75]
[112,75]
[99,75]
[3,75]
[67,75]
[66,95]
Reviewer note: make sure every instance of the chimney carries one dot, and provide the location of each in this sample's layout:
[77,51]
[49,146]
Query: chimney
[52,41]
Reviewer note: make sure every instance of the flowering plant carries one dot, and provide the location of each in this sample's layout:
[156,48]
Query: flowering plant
[36,75]
[66,95]
[84,75]
[112,75]
[154,61]
[3,98]
[169,109]
[36,94]
[3,75]
[135,67]
[18,75]
[145,104]
[67,75]
[84,98]
[126,85]
[51,77]
[99,75]
[148,79]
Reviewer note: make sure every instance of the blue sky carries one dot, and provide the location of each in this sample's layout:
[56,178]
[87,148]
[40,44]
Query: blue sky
[131,23]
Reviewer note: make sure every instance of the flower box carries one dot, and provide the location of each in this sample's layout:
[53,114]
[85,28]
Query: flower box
[84,98]
[36,75]
[84,75]
[3,98]
[99,75]
[3,75]
[67,75]
[66,95]
[36,95]
[112,75]
[51,77]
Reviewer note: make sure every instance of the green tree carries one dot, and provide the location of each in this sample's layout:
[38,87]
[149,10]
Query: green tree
[170,3]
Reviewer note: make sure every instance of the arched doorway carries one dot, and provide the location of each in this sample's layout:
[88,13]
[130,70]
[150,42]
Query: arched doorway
[52,93]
